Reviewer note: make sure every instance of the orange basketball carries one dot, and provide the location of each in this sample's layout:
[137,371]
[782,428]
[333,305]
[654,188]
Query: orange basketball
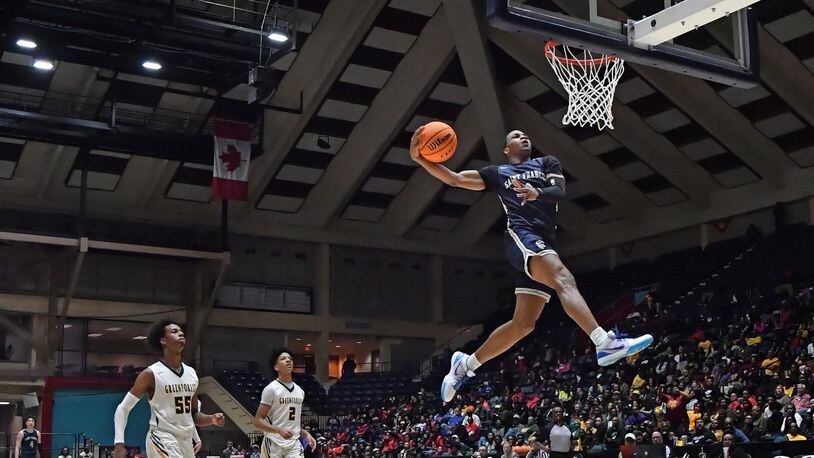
[438,142]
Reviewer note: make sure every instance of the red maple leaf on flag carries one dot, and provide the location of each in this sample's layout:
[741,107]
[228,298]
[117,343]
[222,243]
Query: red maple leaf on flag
[231,157]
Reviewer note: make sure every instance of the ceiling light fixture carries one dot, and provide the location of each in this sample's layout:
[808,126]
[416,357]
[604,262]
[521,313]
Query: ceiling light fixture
[278,36]
[27,44]
[151,65]
[139,338]
[42,64]
[95,334]
[113,329]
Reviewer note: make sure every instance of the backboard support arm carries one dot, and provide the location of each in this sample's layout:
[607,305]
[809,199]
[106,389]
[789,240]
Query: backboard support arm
[679,19]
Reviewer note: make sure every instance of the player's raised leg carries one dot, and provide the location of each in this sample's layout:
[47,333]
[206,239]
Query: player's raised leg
[549,270]
[526,312]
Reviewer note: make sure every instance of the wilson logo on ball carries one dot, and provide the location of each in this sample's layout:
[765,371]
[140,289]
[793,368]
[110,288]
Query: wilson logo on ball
[439,141]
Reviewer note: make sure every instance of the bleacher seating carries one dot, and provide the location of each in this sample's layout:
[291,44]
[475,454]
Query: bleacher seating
[364,389]
[358,391]
[315,396]
[674,272]
[247,385]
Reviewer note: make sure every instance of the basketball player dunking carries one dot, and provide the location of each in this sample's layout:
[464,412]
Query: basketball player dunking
[28,440]
[529,190]
[171,386]
[280,410]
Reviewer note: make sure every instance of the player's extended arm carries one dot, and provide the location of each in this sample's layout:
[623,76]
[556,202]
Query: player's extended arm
[308,437]
[202,419]
[467,179]
[554,191]
[18,445]
[196,441]
[528,193]
[145,382]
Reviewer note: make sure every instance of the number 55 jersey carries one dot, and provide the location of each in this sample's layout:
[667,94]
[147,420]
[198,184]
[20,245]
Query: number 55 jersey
[171,404]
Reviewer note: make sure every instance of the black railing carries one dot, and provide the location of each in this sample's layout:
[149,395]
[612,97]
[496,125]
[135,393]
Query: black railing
[101,109]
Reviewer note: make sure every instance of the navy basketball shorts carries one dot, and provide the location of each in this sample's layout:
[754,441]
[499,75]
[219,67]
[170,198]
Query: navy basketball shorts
[520,247]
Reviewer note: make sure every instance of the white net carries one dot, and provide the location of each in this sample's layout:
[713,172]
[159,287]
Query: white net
[590,79]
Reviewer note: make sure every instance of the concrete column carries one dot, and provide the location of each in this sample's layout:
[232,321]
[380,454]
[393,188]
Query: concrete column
[322,281]
[193,314]
[811,210]
[40,359]
[437,288]
[704,236]
[321,348]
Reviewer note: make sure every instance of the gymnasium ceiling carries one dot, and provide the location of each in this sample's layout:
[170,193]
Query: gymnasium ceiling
[684,151]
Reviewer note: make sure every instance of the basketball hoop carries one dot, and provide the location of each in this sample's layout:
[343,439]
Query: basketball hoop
[590,79]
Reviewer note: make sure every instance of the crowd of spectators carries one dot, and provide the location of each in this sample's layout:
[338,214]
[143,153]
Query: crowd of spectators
[733,367]
[232,450]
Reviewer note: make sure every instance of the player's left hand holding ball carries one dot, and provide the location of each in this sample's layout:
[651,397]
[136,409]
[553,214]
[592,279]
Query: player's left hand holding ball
[218,419]
[415,144]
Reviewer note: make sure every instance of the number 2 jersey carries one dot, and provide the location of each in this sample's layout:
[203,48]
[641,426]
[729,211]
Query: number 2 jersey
[171,404]
[285,401]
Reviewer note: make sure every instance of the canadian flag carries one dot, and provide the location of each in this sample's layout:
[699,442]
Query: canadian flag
[233,149]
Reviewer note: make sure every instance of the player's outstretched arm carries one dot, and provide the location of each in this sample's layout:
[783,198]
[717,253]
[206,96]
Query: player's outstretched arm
[467,179]
[553,191]
[18,444]
[145,383]
[311,441]
[202,419]
[196,441]
[261,422]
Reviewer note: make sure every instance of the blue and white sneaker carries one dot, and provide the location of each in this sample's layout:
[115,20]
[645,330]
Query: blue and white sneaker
[617,348]
[456,377]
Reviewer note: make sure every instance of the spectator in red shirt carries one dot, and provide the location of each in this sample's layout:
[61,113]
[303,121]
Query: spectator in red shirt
[676,408]
[801,400]
[391,443]
[734,404]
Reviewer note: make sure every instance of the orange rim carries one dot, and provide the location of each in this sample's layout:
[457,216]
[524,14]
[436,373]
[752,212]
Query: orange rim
[563,60]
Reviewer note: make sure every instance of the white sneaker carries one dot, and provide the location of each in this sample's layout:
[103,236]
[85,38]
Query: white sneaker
[456,377]
[617,348]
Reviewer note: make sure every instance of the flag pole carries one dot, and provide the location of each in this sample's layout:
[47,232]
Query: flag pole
[224,224]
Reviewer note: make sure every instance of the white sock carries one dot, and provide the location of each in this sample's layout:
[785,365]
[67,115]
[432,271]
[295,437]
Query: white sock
[599,336]
[471,363]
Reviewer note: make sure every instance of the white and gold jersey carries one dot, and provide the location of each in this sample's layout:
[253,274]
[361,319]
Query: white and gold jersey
[171,404]
[285,401]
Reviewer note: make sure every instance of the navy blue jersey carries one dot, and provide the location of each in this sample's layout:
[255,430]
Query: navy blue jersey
[538,216]
[30,444]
